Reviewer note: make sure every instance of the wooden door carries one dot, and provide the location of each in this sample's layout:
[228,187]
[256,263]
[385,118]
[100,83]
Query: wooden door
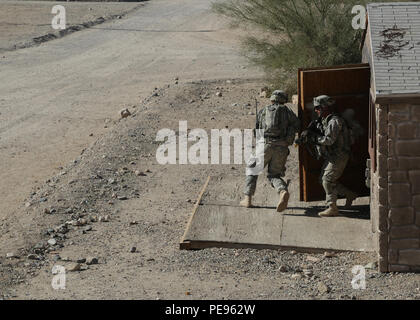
[349,86]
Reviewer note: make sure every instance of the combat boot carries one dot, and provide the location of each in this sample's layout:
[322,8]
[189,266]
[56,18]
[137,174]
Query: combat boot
[283,201]
[246,202]
[332,211]
[349,200]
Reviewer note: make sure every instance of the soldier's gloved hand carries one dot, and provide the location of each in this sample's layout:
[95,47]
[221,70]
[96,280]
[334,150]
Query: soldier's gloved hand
[304,135]
[314,138]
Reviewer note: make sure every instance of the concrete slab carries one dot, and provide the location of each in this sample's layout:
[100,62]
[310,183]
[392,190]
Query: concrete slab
[223,223]
[231,224]
[337,233]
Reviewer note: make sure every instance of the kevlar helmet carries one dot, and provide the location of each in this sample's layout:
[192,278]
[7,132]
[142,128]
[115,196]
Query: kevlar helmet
[323,101]
[279,96]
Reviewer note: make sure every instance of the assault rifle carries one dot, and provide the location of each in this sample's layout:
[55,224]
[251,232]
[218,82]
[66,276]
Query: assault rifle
[308,138]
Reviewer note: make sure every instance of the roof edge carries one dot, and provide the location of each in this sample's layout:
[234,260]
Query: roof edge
[413,98]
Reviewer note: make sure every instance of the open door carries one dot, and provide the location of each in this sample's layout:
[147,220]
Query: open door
[349,86]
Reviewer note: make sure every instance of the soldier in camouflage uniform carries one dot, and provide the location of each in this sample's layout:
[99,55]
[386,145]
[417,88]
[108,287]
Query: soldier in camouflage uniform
[335,149]
[280,126]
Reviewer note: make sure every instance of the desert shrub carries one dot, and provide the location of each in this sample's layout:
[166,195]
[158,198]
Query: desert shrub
[295,34]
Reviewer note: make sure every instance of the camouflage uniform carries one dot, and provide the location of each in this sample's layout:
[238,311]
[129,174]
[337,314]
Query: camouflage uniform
[277,140]
[335,149]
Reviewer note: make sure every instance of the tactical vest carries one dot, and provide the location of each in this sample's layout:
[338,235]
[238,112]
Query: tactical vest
[343,143]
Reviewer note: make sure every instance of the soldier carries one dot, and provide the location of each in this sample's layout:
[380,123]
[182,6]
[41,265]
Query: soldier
[280,126]
[335,146]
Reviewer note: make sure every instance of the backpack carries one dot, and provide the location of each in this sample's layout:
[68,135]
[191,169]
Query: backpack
[355,130]
[271,118]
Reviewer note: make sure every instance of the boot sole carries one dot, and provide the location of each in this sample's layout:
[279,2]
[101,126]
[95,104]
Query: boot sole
[283,204]
[328,215]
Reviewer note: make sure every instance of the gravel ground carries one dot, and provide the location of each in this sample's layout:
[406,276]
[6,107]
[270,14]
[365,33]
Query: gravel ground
[130,212]
[27,23]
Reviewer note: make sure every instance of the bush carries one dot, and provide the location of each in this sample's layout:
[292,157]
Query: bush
[296,34]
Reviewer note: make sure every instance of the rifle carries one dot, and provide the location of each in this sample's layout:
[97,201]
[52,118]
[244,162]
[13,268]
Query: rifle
[308,137]
[256,117]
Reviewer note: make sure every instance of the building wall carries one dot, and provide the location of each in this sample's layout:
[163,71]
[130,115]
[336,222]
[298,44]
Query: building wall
[396,187]
[379,188]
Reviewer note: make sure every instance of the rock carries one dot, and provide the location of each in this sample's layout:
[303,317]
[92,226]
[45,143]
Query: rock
[88,228]
[73,267]
[296,276]
[81,222]
[139,173]
[122,198]
[308,272]
[11,255]
[33,257]
[40,245]
[283,268]
[104,218]
[323,288]
[293,252]
[133,249]
[328,254]
[61,229]
[372,265]
[219,94]
[52,242]
[312,259]
[234,105]
[28,204]
[264,92]
[125,113]
[133,223]
[81,260]
[91,260]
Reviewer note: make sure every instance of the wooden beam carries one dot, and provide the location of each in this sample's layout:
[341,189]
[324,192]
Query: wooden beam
[185,244]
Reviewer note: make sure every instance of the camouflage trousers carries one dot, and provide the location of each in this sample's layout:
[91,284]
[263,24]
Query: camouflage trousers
[275,157]
[331,171]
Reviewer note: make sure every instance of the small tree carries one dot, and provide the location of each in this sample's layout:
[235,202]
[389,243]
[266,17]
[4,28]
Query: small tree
[297,34]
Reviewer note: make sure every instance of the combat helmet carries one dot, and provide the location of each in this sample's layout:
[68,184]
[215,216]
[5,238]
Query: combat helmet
[279,96]
[323,101]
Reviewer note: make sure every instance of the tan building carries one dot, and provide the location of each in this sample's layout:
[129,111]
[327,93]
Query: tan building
[392,49]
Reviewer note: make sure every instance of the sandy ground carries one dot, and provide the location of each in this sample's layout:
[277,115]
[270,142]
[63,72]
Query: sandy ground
[148,206]
[66,156]
[22,23]
[59,94]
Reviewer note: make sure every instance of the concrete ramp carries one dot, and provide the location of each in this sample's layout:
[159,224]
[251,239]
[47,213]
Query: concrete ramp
[225,224]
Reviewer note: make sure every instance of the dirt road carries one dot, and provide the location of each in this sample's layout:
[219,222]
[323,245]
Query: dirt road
[123,208]
[27,23]
[56,98]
